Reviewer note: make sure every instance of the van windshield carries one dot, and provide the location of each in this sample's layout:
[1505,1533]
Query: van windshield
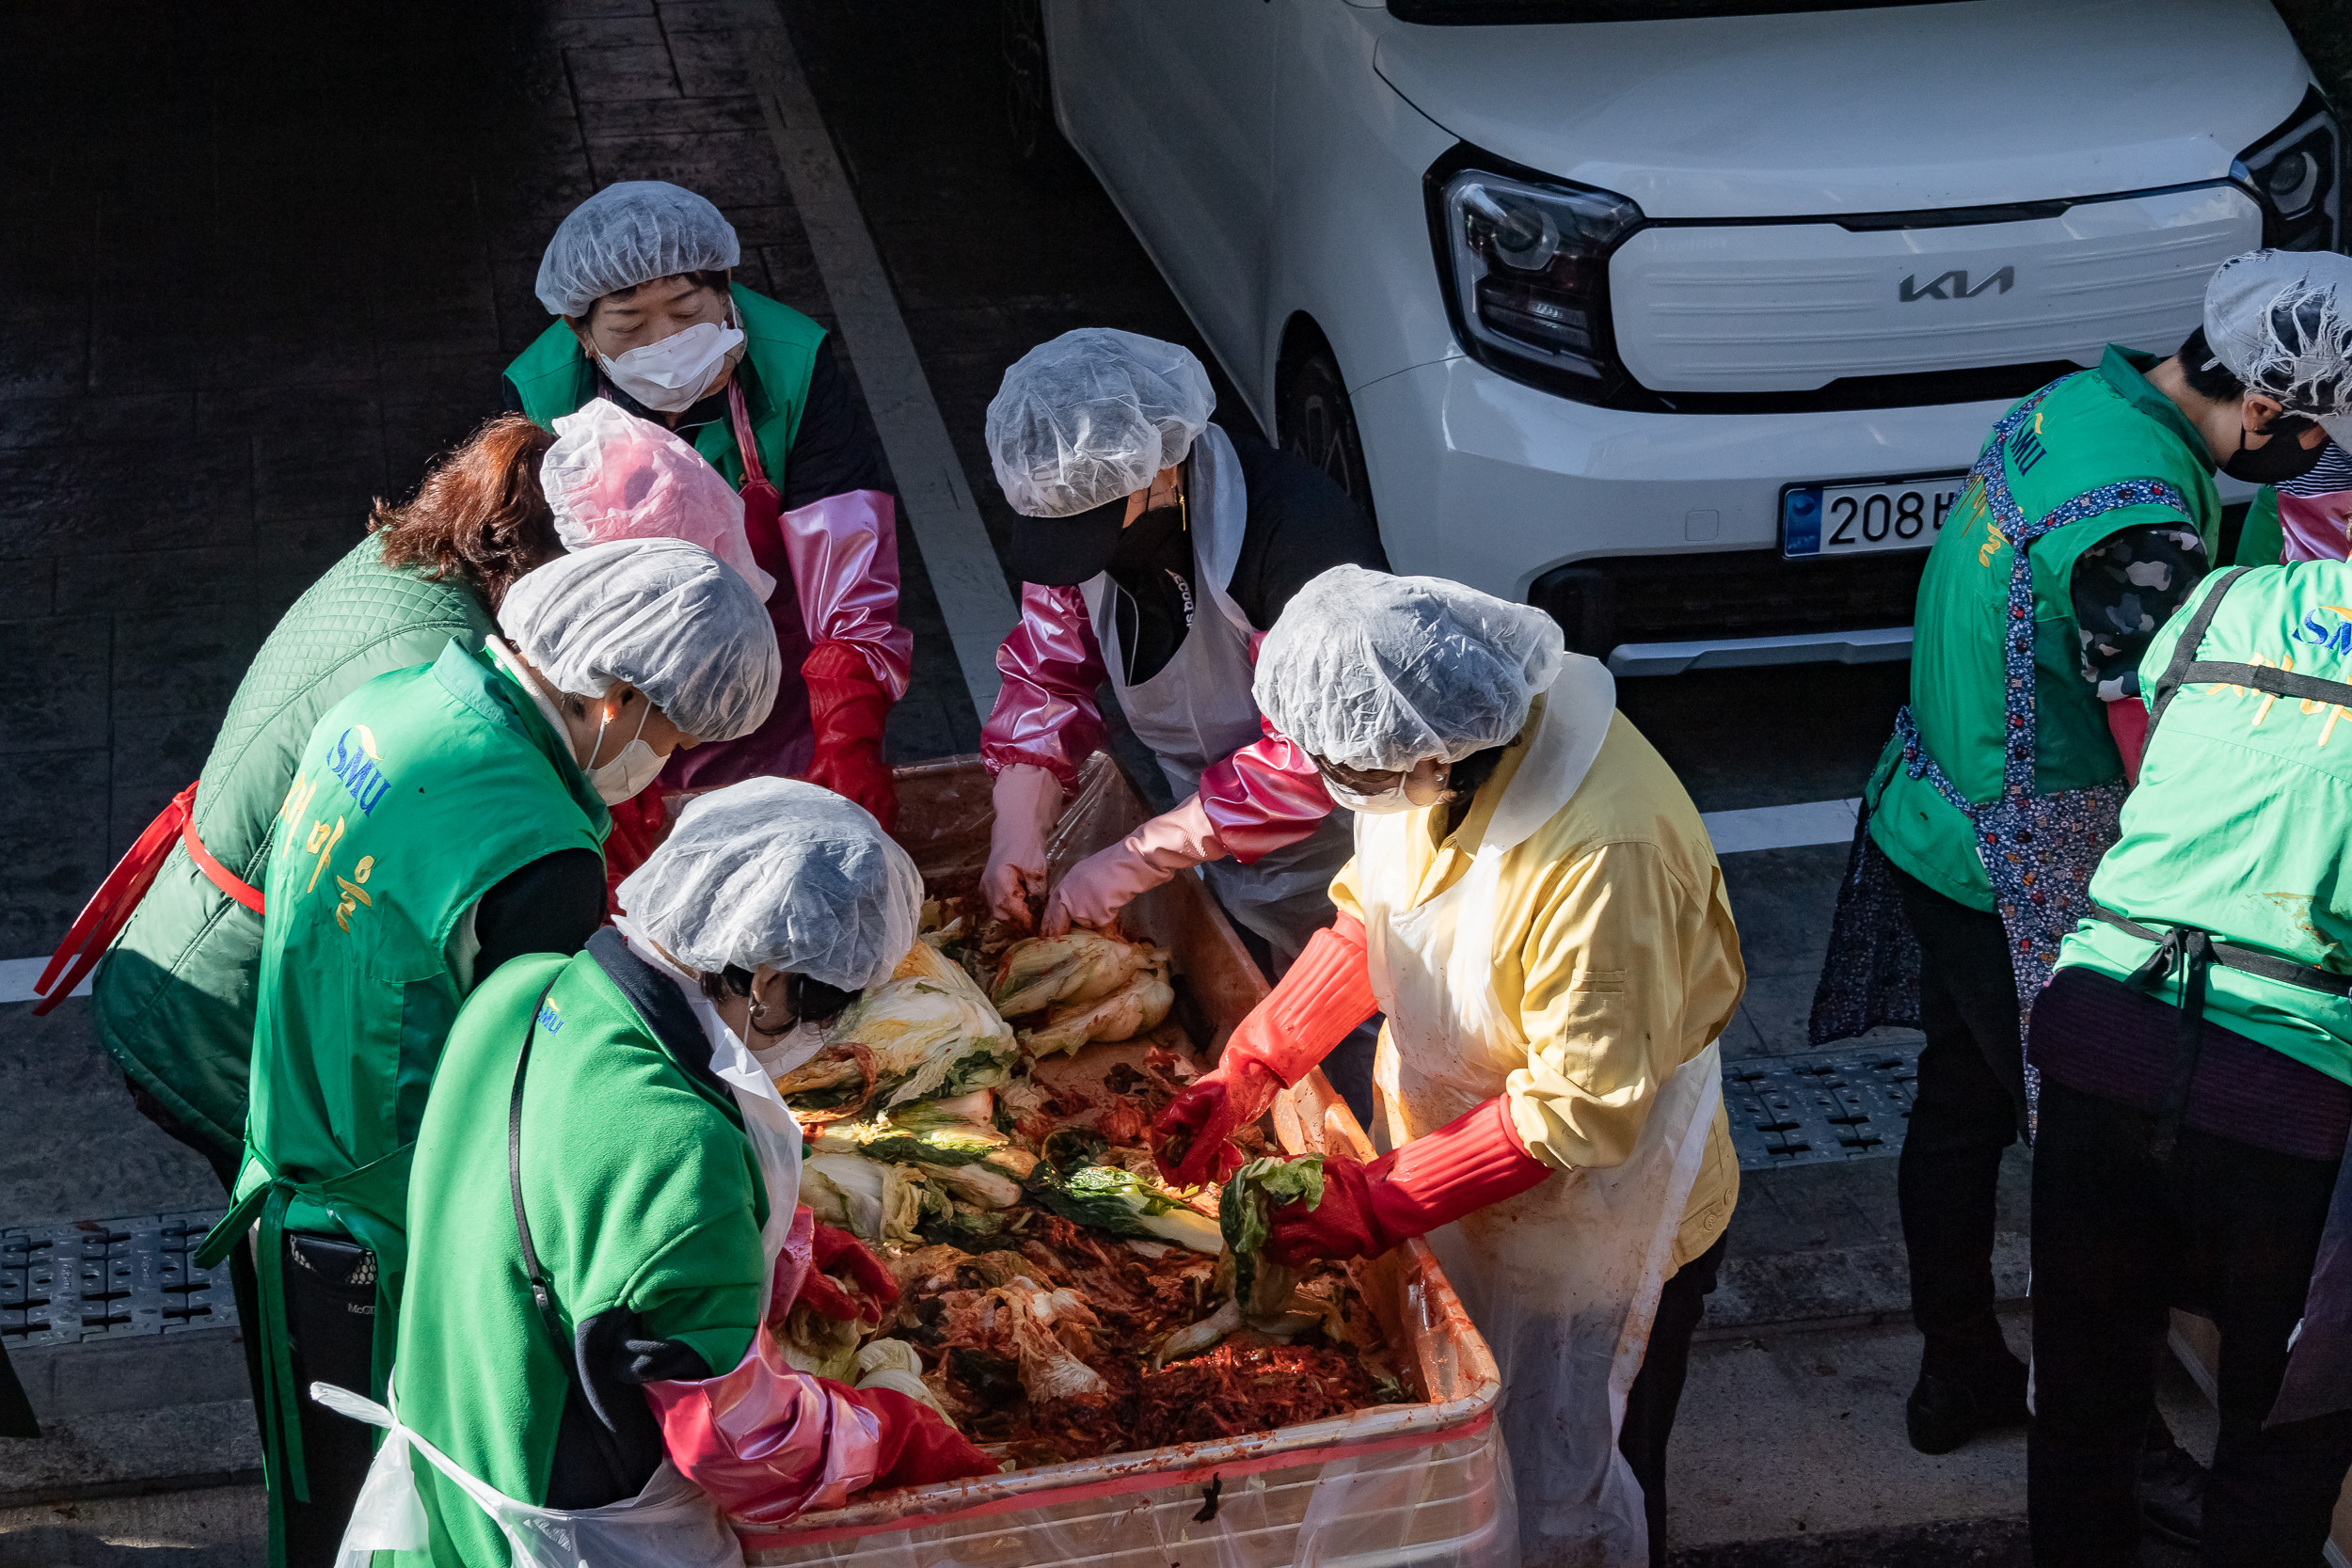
[1496,12]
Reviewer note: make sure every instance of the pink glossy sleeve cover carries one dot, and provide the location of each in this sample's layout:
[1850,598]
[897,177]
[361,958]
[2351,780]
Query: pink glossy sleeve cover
[1263,797]
[1045,714]
[844,551]
[767,1442]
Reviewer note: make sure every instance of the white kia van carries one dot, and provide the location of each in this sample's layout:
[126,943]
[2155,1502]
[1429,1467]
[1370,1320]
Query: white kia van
[1683,318]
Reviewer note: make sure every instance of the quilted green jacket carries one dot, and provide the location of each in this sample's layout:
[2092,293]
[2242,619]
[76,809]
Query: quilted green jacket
[174,997]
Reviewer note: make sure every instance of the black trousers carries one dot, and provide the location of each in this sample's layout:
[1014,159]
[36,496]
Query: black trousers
[330,1317]
[1970,1107]
[2116,1238]
[243,1288]
[1649,1404]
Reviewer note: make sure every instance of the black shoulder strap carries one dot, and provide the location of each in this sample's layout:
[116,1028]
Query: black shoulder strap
[2185,651]
[583,1416]
[542,1293]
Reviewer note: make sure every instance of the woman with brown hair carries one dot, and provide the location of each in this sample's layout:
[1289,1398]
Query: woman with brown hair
[174,998]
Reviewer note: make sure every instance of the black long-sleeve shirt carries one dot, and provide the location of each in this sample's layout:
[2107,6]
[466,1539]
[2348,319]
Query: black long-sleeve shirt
[1299,526]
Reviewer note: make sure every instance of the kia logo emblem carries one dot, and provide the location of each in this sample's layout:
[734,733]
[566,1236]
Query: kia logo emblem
[2000,283]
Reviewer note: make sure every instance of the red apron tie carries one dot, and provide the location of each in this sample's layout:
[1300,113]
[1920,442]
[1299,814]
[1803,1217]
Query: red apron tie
[762,503]
[110,908]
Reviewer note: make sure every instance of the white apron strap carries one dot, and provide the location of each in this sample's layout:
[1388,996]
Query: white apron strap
[671,1524]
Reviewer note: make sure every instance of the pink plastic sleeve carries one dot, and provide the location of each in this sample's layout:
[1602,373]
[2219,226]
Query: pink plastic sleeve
[1045,714]
[1264,796]
[767,1442]
[844,551]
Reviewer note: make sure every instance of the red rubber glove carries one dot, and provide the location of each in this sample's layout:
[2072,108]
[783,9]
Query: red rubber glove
[2127,721]
[1326,993]
[1470,1161]
[833,1251]
[767,1442]
[846,708]
[917,1446]
[639,825]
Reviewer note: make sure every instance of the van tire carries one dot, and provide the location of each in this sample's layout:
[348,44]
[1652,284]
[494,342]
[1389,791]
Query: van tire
[1314,420]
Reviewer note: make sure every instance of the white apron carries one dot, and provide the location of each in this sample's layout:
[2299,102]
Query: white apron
[1198,710]
[1563,1280]
[671,1523]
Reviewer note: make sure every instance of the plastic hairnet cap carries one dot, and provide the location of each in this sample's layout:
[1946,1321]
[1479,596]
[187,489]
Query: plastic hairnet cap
[630,234]
[1091,417]
[775,872]
[2280,321]
[668,617]
[1376,672]
[610,475]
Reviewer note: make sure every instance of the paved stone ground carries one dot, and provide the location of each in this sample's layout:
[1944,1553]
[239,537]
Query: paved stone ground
[262,273]
[223,1527]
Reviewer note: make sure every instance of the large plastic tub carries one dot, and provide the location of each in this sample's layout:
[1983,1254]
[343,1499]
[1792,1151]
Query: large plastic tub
[1399,1484]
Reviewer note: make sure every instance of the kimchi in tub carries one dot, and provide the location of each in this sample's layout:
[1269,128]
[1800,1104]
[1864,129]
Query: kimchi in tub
[1156,1394]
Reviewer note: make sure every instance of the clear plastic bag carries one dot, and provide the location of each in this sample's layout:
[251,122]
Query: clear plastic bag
[1435,1505]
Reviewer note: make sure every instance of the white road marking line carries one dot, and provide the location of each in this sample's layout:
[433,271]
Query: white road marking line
[1782,826]
[964,572]
[18,974]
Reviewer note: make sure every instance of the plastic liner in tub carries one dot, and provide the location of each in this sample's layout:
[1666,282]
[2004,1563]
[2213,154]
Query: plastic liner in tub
[1420,1484]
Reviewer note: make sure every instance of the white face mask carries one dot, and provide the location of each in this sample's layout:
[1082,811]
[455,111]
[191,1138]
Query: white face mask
[1387,804]
[788,1050]
[627,775]
[669,375]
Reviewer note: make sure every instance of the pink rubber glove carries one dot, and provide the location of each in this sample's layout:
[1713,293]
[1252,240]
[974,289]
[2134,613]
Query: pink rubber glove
[1027,799]
[1098,887]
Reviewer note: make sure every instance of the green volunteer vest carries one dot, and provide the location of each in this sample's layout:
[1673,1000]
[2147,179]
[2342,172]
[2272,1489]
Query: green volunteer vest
[414,794]
[553,378]
[2095,428]
[413,797]
[644,1195]
[2262,539]
[2238,824]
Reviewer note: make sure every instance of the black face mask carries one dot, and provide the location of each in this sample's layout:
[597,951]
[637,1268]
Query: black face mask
[2281,458]
[1142,542]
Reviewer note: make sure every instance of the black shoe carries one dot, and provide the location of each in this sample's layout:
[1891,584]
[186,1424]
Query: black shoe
[1955,1403]
[2171,1488]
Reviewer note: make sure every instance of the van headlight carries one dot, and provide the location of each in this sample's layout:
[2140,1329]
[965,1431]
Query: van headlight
[1527,266]
[2294,173]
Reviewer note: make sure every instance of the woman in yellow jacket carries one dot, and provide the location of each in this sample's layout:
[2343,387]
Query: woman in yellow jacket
[1535,905]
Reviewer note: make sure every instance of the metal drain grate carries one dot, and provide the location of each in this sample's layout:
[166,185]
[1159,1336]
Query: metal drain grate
[109,1279]
[1830,1105]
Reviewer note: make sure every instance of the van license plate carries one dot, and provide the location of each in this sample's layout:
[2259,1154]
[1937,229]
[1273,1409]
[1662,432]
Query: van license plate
[1848,519]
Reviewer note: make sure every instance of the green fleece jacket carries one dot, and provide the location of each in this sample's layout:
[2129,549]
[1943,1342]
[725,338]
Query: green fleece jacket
[174,998]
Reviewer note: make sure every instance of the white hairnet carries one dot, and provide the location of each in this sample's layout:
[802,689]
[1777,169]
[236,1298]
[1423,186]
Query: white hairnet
[775,872]
[631,233]
[1093,416]
[612,475]
[668,617]
[2280,321]
[1377,672]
